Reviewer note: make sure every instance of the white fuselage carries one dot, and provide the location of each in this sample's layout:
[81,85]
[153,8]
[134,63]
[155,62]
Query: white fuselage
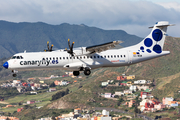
[63,60]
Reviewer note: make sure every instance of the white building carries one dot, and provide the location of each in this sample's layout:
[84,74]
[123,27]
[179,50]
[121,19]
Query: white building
[119,93]
[127,92]
[107,95]
[17,81]
[140,82]
[104,83]
[133,88]
[105,112]
[62,83]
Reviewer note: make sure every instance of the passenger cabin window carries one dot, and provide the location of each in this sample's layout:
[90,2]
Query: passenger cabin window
[124,55]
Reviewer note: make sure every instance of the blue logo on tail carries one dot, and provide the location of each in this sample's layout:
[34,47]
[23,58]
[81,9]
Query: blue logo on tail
[157,36]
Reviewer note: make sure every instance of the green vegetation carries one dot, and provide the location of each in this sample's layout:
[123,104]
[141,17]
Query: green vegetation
[60,94]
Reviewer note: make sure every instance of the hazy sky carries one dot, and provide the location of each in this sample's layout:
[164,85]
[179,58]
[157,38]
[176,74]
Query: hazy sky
[133,16]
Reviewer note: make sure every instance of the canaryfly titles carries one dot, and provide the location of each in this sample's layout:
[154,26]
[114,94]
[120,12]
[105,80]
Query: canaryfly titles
[39,62]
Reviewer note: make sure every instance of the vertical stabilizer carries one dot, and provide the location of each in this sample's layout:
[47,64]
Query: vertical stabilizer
[154,42]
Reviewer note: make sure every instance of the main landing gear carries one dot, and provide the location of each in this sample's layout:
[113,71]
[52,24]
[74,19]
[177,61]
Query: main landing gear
[14,73]
[87,71]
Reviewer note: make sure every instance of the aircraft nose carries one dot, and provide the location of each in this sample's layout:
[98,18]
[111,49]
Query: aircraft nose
[6,65]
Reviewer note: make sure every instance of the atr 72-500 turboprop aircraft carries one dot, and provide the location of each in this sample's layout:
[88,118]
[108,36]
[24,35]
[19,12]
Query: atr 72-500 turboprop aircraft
[88,58]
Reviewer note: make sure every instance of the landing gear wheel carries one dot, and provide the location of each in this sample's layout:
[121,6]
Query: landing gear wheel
[87,72]
[14,75]
[76,73]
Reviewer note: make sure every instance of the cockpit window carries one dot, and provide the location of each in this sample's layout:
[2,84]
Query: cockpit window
[17,57]
[13,57]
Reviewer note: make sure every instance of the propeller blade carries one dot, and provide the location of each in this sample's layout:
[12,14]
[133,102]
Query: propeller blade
[48,45]
[70,51]
[69,43]
[72,47]
[51,47]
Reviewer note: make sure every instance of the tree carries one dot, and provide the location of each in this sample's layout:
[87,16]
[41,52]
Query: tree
[53,118]
[119,101]
[67,91]
[52,85]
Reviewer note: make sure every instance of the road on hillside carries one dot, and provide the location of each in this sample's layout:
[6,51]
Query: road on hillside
[121,111]
[2,102]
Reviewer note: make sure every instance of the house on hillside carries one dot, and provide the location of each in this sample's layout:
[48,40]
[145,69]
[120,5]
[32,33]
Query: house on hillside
[130,77]
[52,89]
[159,106]
[143,87]
[107,95]
[104,84]
[19,109]
[121,78]
[57,82]
[30,102]
[145,95]
[124,83]
[140,82]
[133,88]
[131,103]
[119,93]
[127,92]
[166,100]
[20,89]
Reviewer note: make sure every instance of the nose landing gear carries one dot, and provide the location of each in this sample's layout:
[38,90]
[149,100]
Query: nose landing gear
[14,73]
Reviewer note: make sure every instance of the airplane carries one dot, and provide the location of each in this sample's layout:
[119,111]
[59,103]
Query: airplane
[93,57]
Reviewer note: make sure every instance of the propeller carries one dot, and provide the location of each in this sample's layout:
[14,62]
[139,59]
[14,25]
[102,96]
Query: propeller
[70,51]
[49,49]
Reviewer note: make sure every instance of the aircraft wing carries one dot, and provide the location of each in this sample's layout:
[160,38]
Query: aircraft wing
[102,47]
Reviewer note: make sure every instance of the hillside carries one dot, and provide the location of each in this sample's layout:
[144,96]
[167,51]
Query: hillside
[17,37]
